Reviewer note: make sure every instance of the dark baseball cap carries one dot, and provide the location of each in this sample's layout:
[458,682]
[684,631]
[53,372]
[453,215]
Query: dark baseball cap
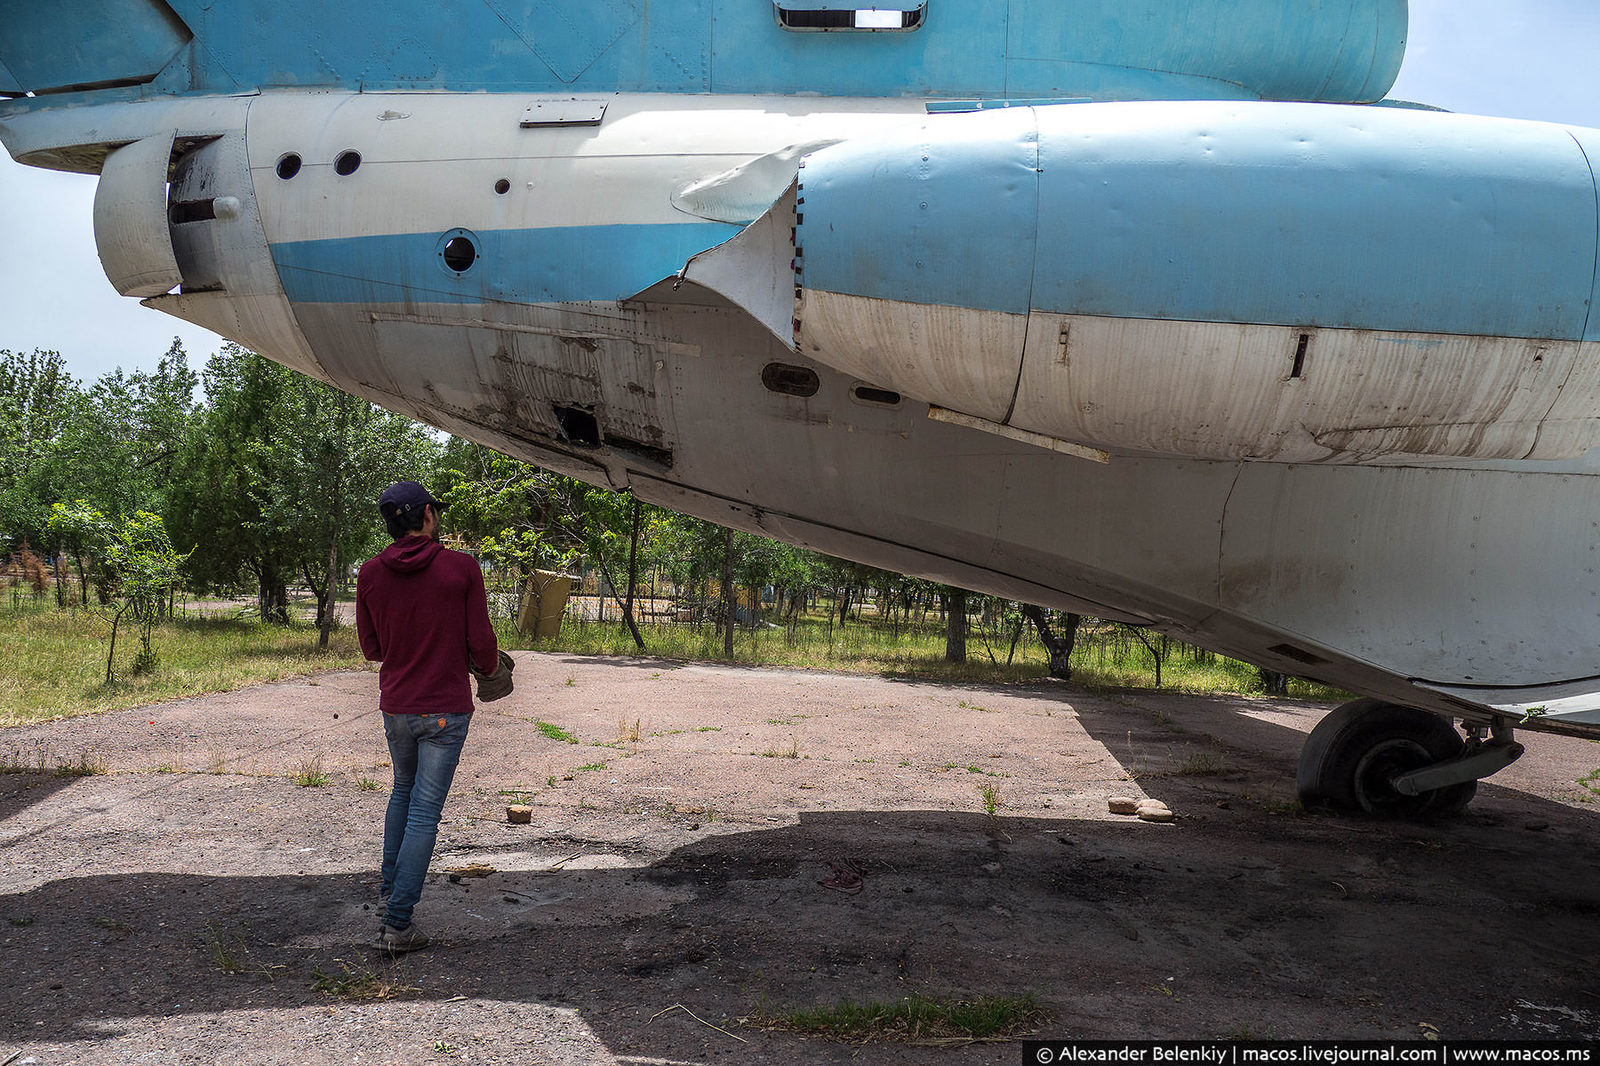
[403,497]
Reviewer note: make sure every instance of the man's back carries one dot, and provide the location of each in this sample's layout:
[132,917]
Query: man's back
[421,611]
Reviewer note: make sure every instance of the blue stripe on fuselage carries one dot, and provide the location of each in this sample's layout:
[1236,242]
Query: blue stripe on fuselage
[554,265]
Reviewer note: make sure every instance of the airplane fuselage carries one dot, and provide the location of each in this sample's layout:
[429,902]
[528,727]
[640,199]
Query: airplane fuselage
[1388,489]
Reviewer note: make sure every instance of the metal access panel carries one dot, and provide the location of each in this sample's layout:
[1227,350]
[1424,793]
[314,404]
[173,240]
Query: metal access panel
[564,111]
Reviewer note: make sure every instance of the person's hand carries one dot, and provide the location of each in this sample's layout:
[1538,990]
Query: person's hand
[494,686]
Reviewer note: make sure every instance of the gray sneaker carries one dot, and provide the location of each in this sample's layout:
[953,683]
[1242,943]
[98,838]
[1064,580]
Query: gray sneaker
[396,941]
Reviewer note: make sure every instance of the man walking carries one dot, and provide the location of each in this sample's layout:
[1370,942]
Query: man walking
[421,611]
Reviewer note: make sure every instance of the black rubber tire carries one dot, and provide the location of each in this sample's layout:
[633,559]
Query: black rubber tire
[1352,753]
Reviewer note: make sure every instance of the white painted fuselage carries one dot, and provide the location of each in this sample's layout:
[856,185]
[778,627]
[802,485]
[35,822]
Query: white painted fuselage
[1404,513]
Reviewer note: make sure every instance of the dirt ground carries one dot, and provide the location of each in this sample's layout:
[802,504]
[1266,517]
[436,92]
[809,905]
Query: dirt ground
[194,905]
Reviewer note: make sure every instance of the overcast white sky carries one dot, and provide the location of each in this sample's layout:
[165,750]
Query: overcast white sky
[1515,58]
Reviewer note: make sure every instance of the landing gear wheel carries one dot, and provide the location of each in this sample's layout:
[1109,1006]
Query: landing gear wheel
[1353,754]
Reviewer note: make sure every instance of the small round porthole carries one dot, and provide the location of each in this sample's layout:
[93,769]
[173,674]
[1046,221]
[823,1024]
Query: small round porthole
[458,250]
[347,163]
[874,396]
[288,166]
[502,186]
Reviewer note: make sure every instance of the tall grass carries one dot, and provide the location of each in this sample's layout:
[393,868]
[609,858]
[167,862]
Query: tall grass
[1105,657]
[54,661]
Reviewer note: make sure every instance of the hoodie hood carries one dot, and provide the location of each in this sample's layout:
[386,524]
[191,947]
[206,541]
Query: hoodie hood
[410,554]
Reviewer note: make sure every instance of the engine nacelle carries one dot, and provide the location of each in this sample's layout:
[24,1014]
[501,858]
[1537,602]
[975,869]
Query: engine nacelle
[1227,281]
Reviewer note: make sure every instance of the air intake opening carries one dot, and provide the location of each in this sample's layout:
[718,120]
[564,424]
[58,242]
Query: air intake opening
[790,380]
[822,16]
[1300,356]
[1299,655]
[871,394]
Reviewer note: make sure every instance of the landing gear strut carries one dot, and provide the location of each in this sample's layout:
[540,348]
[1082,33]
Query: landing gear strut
[1388,760]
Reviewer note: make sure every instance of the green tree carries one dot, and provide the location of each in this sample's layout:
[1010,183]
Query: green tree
[145,569]
[37,398]
[280,478]
[84,532]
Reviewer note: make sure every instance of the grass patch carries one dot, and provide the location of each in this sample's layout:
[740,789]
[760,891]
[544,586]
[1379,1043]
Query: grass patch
[917,1019]
[231,955]
[357,981]
[791,752]
[1202,764]
[57,660]
[309,774]
[86,764]
[1273,805]
[555,732]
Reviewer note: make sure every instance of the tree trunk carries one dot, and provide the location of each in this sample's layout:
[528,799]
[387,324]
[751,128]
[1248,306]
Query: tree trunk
[112,651]
[325,603]
[727,593]
[633,576]
[1272,682]
[955,628]
[1058,642]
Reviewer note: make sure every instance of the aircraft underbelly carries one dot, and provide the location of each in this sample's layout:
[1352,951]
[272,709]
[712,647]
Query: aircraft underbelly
[1377,485]
[1436,575]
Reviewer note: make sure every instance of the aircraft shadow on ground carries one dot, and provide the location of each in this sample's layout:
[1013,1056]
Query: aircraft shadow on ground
[1228,919]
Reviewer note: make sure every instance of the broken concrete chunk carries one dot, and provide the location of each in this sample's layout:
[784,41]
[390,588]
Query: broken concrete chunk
[1122,805]
[1155,814]
[518,814]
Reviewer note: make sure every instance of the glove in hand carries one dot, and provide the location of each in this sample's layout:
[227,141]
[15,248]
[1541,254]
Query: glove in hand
[497,685]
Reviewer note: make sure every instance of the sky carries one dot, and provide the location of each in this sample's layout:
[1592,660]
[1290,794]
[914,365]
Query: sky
[1532,59]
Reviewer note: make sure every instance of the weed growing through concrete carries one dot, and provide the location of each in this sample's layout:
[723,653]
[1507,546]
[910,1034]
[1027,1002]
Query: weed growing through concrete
[88,763]
[117,928]
[1202,764]
[1137,766]
[230,954]
[309,774]
[555,732]
[630,734]
[356,981]
[1273,805]
[991,798]
[368,784]
[916,1019]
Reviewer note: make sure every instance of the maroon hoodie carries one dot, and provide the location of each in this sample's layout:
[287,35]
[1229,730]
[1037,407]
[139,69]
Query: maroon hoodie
[421,610]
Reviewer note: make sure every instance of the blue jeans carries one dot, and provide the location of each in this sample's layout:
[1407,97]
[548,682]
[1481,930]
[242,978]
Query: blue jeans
[424,749]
